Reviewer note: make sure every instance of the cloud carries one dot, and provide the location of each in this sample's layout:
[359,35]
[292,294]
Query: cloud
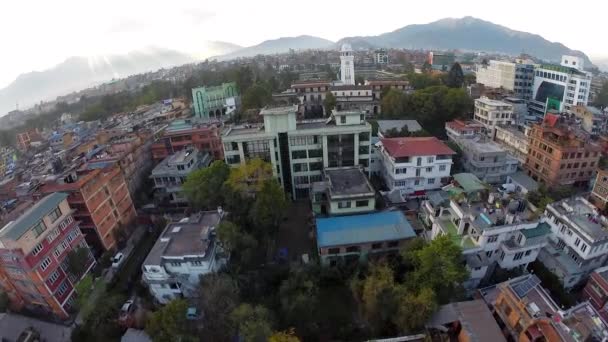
[124,25]
[198,15]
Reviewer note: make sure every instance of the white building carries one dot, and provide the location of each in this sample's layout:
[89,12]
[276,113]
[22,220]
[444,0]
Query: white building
[579,241]
[380,56]
[185,250]
[486,159]
[567,83]
[414,166]
[347,65]
[493,113]
[515,76]
[507,236]
[171,173]
[514,140]
[299,151]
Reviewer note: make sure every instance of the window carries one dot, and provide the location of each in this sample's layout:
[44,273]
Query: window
[362,203]
[492,238]
[55,214]
[429,169]
[342,119]
[53,277]
[39,228]
[45,263]
[430,159]
[377,245]
[176,264]
[344,204]
[393,244]
[62,289]
[442,167]
[502,256]
[298,154]
[583,248]
[37,249]
[431,180]
[528,252]
[53,235]
[518,255]
[577,242]
[197,263]
[489,254]
[353,249]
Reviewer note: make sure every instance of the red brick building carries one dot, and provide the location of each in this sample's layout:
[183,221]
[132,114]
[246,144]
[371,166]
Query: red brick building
[596,291]
[33,249]
[101,201]
[183,133]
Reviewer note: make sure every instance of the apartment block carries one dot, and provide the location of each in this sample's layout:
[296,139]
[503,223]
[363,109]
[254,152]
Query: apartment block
[413,166]
[33,250]
[515,140]
[517,76]
[526,312]
[493,113]
[596,291]
[599,194]
[183,133]
[462,129]
[579,241]
[486,159]
[185,250]
[559,155]
[593,120]
[299,151]
[343,191]
[215,102]
[101,201]
[171,173]
[489,232]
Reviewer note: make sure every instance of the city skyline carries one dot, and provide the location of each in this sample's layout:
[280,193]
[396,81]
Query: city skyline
[69,28]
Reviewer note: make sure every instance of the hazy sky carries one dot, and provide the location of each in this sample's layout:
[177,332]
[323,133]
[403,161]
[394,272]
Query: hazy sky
[37,34]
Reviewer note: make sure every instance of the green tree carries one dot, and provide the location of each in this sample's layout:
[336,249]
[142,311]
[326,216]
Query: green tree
[376,294]
[169,323]
[244,78]
[269,206]
[257,96]
[455,76]
[203,187]
[421,81]
[299,300]
[329,103]
[218,296]
[4,301]
[77,260]
[284,336]
[392,104]
[414,309]
[252,323]
[427,68]
[249,178]
[439,267]
[602,96]
[359,80]
[236,241]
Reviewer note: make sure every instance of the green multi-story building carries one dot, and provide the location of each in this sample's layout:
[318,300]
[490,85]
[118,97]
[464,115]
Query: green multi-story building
[215,102]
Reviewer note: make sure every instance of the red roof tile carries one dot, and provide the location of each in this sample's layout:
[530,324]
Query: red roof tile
[551,119]
[419,146]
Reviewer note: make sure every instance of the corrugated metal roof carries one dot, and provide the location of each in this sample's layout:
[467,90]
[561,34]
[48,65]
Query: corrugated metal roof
[16,229]
[356,229]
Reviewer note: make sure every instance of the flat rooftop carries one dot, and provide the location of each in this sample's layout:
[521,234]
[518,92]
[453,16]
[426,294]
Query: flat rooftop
[348,181]
[584,215]
[365,228]
[385,125]
[491,102]
[474,317]
[278,110]
[14,230]
[189,237]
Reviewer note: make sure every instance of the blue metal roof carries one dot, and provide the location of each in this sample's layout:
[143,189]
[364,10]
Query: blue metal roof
[365,228]
[32,216]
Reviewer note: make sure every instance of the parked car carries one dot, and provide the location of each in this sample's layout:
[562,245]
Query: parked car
[507,188]
[117,260]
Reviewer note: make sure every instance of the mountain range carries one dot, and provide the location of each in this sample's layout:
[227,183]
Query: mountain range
[465,34]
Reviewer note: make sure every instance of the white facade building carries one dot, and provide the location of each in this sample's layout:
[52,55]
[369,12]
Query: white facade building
[414,165]
[299,151]
[579,241]
[347,65]
[185,250]
[492,113]
[567,83]
[514,140]
[515,76]
[508,237]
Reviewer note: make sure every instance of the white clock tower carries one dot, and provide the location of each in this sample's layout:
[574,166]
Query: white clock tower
[347,65]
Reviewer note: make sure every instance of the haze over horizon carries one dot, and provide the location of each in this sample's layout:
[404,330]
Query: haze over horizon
[61,29]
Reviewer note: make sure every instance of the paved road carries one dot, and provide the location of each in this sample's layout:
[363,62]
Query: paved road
[131,243]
